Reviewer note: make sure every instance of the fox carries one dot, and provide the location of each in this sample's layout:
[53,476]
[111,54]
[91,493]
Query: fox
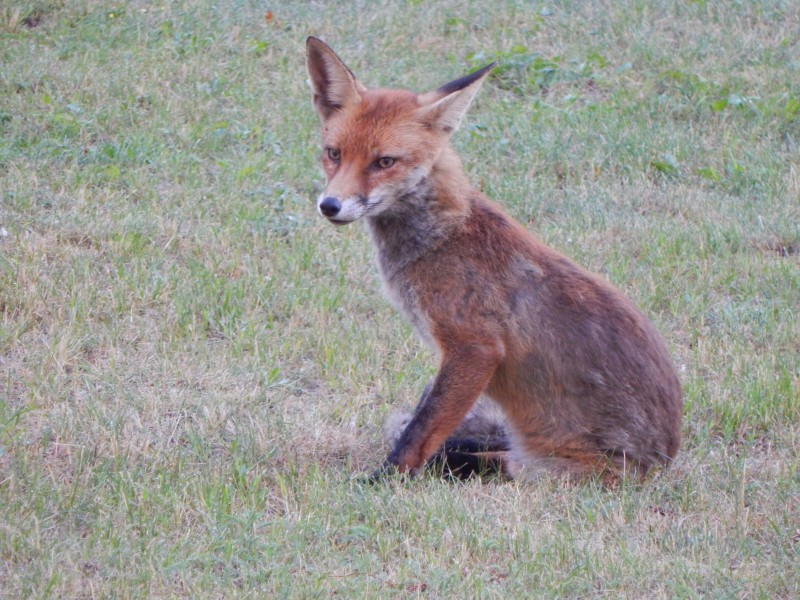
[543,366]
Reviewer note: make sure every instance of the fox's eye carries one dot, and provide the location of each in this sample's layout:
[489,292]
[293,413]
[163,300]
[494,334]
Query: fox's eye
[384,162]
[334,154]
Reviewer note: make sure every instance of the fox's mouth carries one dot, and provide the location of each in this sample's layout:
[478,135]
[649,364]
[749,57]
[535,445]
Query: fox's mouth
[339,222]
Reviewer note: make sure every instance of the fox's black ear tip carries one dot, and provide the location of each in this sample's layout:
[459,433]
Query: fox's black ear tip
[459,84]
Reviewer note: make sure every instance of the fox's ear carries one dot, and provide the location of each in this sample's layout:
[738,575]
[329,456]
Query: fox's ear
[334,85]
[445,107]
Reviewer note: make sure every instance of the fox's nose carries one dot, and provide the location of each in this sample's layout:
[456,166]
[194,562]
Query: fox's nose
[330,206]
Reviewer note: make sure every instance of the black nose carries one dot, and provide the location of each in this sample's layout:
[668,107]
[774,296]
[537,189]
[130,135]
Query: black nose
[330,206]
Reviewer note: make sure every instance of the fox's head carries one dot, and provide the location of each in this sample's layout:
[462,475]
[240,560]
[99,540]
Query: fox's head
[379,146]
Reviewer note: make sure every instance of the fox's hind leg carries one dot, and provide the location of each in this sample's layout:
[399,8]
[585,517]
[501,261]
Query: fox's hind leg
[464,458]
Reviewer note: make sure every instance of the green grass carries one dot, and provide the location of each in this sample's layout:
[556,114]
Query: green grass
[193,366]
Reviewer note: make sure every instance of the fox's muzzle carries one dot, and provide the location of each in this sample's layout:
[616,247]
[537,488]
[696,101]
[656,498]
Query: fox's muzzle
[341,211]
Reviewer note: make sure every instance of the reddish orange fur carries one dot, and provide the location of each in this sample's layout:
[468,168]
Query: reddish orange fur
[584,380]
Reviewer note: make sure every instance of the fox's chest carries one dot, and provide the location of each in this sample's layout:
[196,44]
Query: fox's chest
[405,243]
[405,299]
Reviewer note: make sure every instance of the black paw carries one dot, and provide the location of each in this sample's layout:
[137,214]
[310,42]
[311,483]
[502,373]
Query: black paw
[385,472]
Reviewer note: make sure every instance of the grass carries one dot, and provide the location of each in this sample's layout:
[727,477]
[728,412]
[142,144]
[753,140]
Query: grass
[193,366]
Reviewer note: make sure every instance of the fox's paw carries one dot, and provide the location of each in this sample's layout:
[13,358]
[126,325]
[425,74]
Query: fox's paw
[386,472]
[376,477]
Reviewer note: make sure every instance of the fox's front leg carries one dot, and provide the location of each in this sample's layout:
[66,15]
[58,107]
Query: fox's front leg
[463,375]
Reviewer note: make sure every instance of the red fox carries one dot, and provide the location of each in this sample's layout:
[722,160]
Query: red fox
[583,383]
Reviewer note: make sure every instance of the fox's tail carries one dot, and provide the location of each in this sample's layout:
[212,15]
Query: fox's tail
[480,445]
